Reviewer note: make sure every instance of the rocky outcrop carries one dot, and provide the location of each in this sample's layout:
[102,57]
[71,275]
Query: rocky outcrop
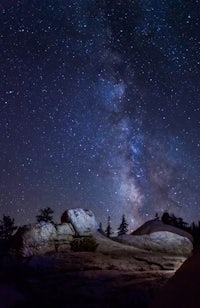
[162,241]
[83,221]
[157,225]
[34,239]
[41,238]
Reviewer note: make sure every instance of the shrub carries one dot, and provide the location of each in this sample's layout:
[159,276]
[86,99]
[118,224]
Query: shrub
[84,244]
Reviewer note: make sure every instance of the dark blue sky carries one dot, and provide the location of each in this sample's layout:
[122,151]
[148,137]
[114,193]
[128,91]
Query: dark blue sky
[99,108]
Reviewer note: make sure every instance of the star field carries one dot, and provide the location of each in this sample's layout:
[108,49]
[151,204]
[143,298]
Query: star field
[99,108]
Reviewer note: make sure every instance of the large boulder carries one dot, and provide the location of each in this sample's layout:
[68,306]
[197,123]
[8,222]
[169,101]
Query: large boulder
[162,241]
[41,238]
[156,225]
[83,221]
[34,239]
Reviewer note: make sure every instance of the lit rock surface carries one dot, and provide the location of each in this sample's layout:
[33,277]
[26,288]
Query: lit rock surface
[64,230]
[162,241]
[83,221]
[42,238]
[157,225]
[117,275]
[34,239]
[65,233]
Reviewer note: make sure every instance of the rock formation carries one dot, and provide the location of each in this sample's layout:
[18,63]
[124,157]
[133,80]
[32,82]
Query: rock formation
[34,239]
[156,225]
[42,238]
[162,241]
[45,237]
[83,221]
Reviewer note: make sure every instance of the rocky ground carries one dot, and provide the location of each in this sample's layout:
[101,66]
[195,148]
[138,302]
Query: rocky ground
[115,275]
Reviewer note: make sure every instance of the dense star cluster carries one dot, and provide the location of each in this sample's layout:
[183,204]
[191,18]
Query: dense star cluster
[99,108]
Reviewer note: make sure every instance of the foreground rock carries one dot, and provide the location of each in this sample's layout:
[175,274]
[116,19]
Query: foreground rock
[83,221]
[162,241]
[116,275]
[137,259]
[183,289]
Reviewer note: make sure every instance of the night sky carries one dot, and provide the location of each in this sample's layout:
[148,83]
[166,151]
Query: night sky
[99,108]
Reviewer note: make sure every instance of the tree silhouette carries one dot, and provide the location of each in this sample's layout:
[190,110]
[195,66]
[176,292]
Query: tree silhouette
[166,219]
[123,228]
[171,219]
[108,229]
[100,229]
[45,215]
[7,227]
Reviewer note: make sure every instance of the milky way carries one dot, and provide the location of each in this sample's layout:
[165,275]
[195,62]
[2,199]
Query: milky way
[99,108]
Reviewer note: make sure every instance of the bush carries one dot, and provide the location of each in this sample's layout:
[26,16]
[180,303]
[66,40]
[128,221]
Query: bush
[84,244]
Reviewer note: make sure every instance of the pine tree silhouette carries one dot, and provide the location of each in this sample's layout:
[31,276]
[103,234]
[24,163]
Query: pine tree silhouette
[7,227]
[123,228]
[45,215]
[108,229]
[100,229]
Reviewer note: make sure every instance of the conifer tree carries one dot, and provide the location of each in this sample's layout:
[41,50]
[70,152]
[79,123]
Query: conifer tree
[100,229]
[108,229]
[123,228]
[7,227]
[45,215]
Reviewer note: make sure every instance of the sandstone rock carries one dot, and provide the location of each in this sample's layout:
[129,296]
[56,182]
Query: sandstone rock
[156,225]
[162,241]
[83,221]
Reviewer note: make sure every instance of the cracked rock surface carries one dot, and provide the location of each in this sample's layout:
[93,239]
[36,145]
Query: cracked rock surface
[115,275]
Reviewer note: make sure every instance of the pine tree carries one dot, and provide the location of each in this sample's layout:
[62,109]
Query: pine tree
[45,215]
[108,229]
[123,228]
[166,218]
[7,227]
[100,229]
